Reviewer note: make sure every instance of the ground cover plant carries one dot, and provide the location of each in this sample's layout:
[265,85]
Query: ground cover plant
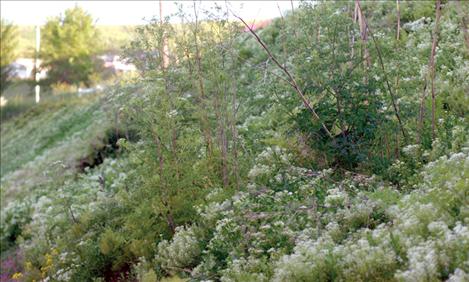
[330,145]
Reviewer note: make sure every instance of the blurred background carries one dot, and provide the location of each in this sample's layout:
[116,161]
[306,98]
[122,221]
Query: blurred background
[51,49]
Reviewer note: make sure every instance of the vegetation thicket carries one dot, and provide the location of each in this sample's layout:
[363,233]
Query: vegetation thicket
[68,47]
[331,145]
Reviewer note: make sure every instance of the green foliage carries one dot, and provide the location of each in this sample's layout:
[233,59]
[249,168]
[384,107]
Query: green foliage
[346,97]
[114,37]
[209,167]
[184,250]
[8,43]
[68,45]
[35,146]
[350,239]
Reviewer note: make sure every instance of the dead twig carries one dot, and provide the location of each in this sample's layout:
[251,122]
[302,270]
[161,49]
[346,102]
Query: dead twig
[291,79]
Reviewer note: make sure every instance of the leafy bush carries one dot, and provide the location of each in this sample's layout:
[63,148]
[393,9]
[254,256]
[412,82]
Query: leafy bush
[69,44]
[209,166]
[184,250]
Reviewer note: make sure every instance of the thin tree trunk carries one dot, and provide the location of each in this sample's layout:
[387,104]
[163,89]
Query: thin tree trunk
[432,64]
[233,117]
[284,33]
[294,18]
[234,132]
[464,23]
[169,215]
[363,34]
[388,150]
[159,153]
[164,49]
[397,151]
[72,215]
[398,21]
[218,105]
[398,38]
[380,59]
[421,112]
[223,136]
[355,17]
[224,155]
[170,218]
[205,123]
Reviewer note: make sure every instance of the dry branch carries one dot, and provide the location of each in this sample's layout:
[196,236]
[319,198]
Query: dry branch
[291,80]
[380,59]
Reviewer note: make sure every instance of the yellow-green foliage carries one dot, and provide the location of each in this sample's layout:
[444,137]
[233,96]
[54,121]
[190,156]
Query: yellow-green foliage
[211,168]
[110,242]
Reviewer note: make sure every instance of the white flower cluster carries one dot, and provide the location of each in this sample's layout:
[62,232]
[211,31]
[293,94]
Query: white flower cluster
[242,269]
[307,263]
[335,198]
[266,160]
[420,239]
[412,151]
[182,251]
[258,170]
[422,263]
[271,154]
[459,138]
[360,259]
[416,25]
[458,276]
[14,214]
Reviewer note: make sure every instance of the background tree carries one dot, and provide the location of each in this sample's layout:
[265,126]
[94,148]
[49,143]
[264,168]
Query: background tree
[8,42]
[69,43]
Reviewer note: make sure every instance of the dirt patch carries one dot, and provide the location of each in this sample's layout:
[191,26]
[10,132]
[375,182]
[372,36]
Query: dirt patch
[105,148]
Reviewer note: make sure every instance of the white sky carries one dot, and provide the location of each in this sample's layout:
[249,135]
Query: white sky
[126,12]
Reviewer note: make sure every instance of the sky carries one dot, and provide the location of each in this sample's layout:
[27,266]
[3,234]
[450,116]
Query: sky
[127,12]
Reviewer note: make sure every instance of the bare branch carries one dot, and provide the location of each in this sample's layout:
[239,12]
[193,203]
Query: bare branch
[291,80]
[380,59]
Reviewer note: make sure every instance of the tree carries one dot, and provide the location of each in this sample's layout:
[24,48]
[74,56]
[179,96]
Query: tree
[8,43]
[69,43]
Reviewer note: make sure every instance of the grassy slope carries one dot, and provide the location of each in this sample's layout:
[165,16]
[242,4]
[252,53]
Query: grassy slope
[44,144]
